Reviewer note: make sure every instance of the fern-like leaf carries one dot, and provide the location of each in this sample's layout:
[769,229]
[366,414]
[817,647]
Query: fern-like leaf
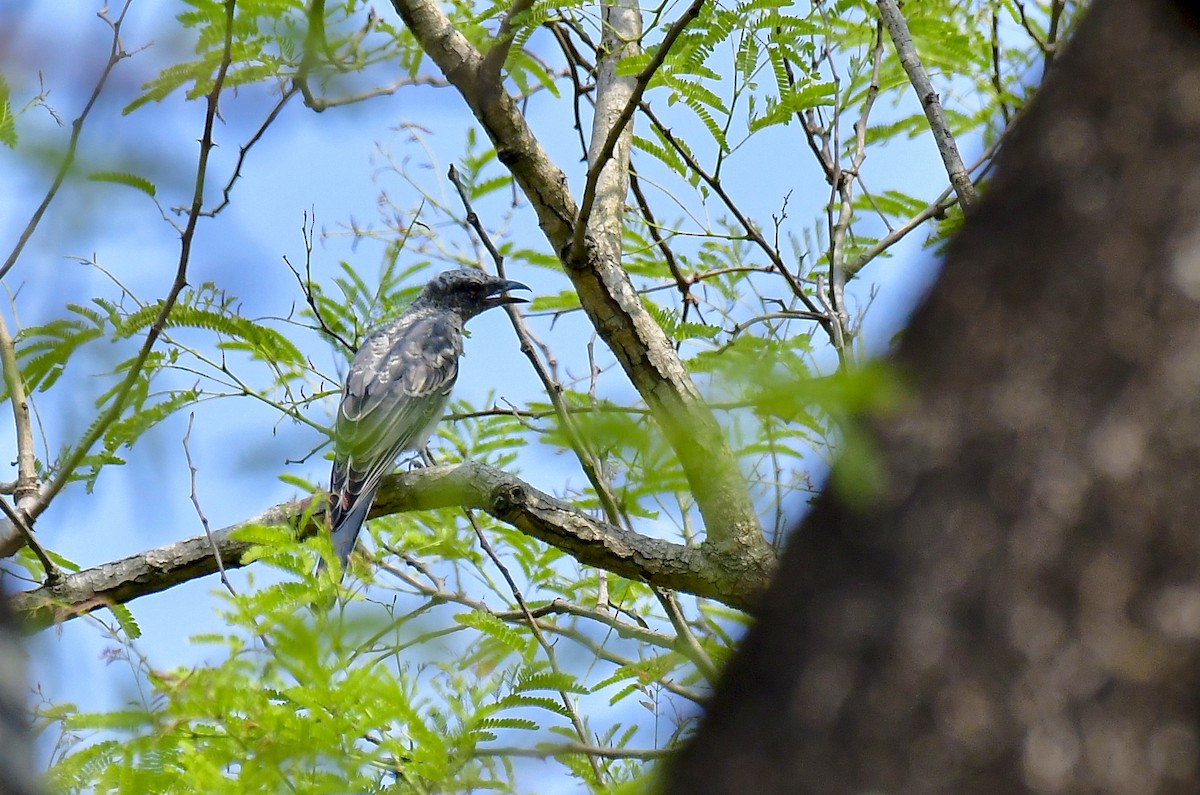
[131,180]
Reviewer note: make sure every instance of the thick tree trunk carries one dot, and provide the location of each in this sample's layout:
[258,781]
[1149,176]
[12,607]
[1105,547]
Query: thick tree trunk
[1018,608]
[16,750]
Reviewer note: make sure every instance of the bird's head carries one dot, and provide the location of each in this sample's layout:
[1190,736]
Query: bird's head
[468,292]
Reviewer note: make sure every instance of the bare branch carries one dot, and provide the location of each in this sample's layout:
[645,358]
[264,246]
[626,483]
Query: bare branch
[187,454]
[889,11]
[731,579]
[66,470]
[26,487]
[307,229]
[566,749]
[116,54]
[245,150]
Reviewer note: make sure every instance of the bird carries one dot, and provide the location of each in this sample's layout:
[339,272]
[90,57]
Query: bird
[396,389]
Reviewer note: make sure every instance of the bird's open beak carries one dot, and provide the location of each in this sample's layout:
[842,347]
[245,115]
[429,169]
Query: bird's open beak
[500,295]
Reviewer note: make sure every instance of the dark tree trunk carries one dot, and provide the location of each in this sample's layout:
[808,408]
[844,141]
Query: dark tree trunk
[1019,608]
[16,751]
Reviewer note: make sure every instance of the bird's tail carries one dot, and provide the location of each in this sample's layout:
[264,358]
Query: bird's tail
[346,515]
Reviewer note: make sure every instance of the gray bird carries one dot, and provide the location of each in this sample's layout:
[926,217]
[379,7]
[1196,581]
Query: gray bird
[397,388]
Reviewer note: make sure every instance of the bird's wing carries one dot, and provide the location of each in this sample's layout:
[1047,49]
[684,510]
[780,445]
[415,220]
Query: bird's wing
[397,387]
[396,390]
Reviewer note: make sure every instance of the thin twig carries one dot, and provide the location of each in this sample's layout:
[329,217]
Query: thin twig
[187,454]
[547,647]
[546,751]
[694,278]
[66,470]
[790,314]
[612,408]
[687,640]
[116,54]
[1025,23]
[307,227]
[245,149]
[576,61]
[681,281]
[320,104]
[935,209]
[587,459]
[53,573]
[996,77]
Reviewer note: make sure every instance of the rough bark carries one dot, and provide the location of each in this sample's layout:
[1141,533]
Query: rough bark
[1018,608]
[16,748]
[507,498]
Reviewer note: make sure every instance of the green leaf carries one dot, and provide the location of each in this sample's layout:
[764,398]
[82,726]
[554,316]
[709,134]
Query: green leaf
[132,180]
[125,618]
[508,723]
[262,341]
[567,299]
[549,680]
[142,417]
[62,562]
[8,127]
[676,329]
[494,628]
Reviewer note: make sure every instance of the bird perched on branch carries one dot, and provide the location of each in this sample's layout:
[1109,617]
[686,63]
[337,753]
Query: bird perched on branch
[397,388]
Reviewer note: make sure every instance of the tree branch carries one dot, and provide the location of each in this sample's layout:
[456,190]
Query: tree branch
[493,62]
[613,91]
[639,344]
[939,206]
[66,470]
[116,54]
[583,452]
[26,487]
[695,570]
[17,534]
[547,751]
[889,11]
